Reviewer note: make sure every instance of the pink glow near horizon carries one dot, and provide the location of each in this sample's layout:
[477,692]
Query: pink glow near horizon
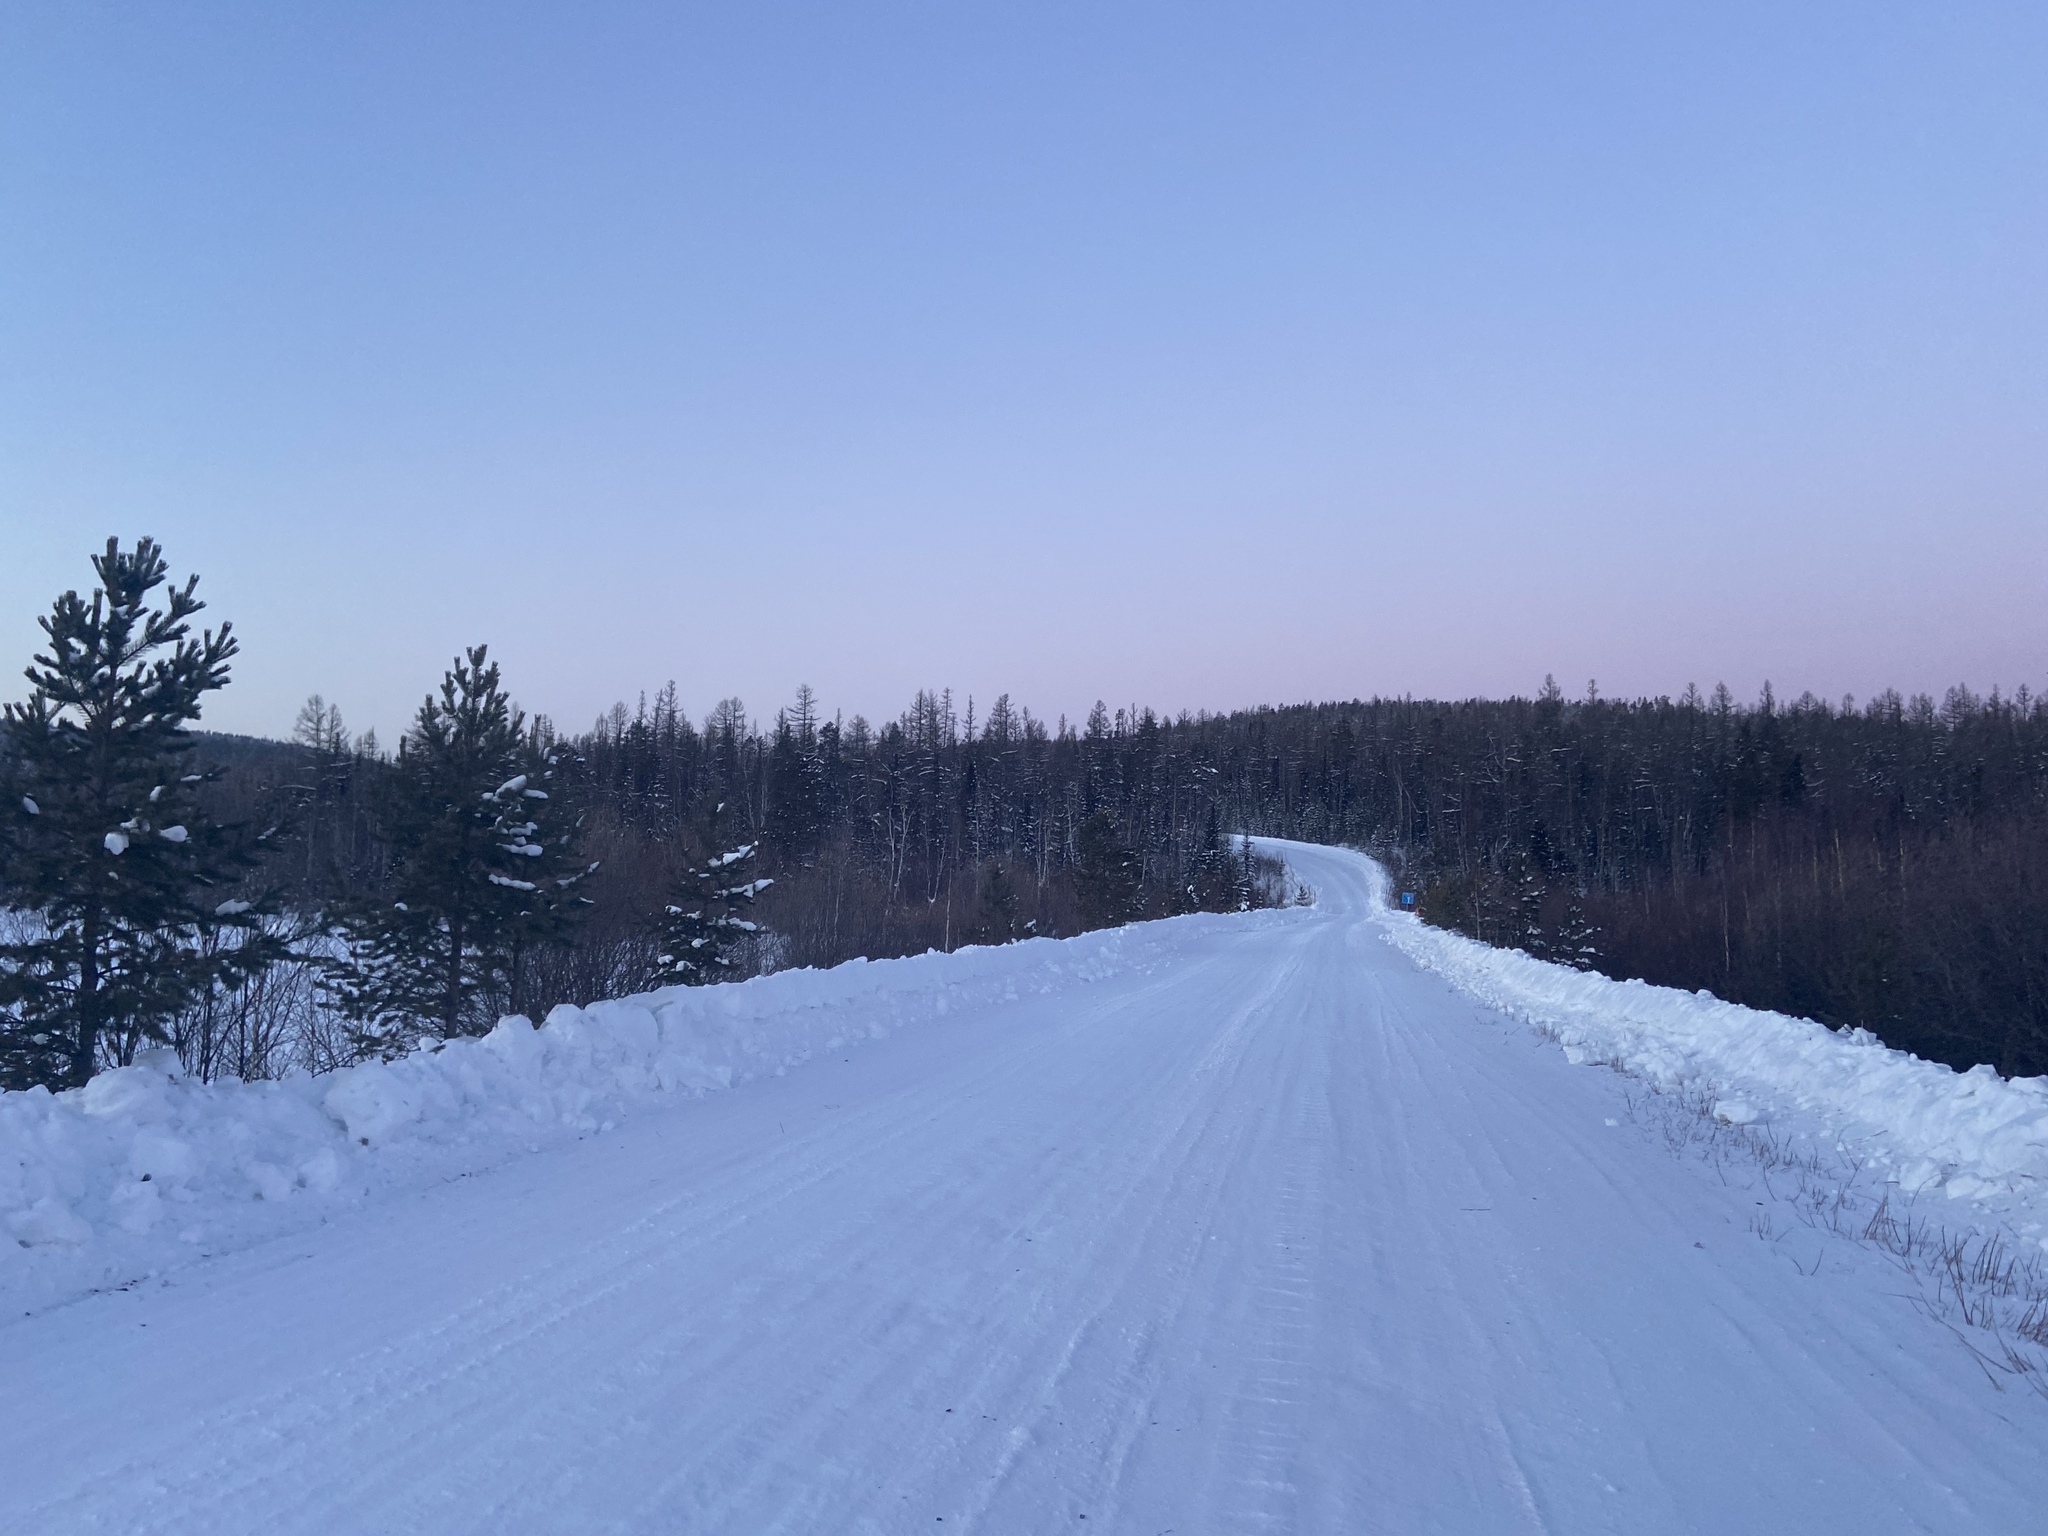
[1191,362]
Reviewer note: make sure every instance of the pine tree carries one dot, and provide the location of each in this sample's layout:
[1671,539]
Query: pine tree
[129,883]
[703,928]
[478,882]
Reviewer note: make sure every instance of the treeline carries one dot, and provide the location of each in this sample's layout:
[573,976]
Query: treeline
[262,906]
[303,902]
[1880,865]
[1883,865]
[946,826]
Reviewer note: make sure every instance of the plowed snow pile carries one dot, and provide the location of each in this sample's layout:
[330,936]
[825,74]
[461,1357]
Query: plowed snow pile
[144,1169]
[1976,1138]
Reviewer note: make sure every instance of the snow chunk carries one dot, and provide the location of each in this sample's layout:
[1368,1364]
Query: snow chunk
[162,1159]
[117,842]
[135,1206]
[373,1101]
[320,1172]
[137,1094]
[49,1223]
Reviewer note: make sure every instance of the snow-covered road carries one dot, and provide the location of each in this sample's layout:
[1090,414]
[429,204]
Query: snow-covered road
[1287,1236]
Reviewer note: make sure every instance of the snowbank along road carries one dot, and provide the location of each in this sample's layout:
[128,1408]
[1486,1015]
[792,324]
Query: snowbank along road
[1227,1224]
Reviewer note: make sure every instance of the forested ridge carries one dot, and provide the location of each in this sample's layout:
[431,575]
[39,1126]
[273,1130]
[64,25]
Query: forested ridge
[1879,865]
[948,825]
[258,904]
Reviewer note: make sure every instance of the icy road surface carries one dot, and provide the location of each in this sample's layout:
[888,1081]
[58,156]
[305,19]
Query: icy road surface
[1287,1237]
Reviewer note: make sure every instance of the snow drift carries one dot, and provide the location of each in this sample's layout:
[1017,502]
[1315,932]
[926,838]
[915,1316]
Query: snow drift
[1972,1136]
[143,1168]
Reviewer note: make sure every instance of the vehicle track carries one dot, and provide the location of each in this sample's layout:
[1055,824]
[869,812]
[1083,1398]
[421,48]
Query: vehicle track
[1287,1236]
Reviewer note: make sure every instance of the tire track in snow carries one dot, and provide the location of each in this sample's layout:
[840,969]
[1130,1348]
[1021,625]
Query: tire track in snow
[1197,1136]
[1192,1250]
[433,1364]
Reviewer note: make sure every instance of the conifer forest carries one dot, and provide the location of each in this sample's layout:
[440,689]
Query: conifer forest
[315,900]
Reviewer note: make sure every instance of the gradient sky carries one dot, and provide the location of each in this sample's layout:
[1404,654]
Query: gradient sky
[1194,355]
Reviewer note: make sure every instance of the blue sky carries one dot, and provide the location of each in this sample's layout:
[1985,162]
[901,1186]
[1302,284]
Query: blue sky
[1192,355]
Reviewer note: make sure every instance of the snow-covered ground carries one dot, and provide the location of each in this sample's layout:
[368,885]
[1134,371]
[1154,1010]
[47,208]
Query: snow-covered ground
[1973,1146]
[1220,1224]
[143,1170]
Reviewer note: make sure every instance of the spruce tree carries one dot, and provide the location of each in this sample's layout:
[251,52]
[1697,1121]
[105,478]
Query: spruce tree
[478,883]
[125,882]
[1575,945]
[703,928]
